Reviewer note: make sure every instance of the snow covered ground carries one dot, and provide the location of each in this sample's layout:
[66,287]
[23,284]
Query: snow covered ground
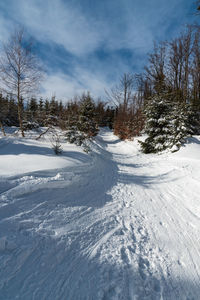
[112,224]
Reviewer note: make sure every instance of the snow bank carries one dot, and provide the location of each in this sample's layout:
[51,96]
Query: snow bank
[20,156]
[190,150]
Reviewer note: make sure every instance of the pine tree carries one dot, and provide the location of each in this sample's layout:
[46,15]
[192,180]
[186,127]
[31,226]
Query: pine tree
[183,124]
[168,124]
[41,105]
[41,112]
[87,123]
[157,125]
[12,118]
[81,122]
[73,134]
[46,107]
[33,107]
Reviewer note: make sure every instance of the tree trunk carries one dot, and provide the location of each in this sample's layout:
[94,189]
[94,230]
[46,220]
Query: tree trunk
[2,128]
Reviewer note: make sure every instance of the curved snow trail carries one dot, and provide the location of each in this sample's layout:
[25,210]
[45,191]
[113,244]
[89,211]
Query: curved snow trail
[125,226]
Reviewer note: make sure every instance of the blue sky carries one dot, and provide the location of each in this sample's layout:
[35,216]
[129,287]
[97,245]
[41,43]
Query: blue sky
[88,44]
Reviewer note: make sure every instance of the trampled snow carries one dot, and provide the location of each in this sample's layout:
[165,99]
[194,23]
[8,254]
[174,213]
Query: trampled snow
[111,224]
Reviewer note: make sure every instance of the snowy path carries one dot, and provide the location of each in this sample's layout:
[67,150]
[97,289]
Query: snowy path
[121,226]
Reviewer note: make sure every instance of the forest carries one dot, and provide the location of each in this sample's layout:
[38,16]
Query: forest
[163,101]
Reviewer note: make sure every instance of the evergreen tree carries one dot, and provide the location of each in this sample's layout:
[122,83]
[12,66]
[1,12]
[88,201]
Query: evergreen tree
[53,106]
[81,122]
[87,123]
[184,123]
[168,124]
[41,105]
[157,125]
[12,118]
[41,112]
[46,107]
[33,108]
[73,134]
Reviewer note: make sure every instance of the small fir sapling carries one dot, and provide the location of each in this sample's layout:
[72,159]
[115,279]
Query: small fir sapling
[56,145]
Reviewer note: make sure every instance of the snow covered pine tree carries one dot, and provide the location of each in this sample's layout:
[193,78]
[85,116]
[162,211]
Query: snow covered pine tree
[167,125]
[157,125]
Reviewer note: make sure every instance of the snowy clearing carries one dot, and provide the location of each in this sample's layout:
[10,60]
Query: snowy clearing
[112,224]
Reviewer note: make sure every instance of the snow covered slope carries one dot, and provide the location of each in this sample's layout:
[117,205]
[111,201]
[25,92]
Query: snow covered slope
[113,224]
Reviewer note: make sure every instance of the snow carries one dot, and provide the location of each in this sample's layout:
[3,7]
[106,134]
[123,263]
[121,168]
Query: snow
[19,157]
[190,151]
[111,224]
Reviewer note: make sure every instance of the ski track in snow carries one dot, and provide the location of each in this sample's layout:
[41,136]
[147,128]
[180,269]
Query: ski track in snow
[124,226]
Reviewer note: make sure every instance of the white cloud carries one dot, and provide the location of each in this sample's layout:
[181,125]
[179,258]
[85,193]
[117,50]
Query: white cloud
[121,24]
[65,87]
[6,27]
[117,25]
[54,21]
[59,85]
[130,24]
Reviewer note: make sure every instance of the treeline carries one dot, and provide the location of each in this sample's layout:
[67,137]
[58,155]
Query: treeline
[39,113]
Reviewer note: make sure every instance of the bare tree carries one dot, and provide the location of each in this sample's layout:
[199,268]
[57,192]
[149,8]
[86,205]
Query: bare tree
[143,87]
[128,98]
[179,64]
[175,64]
[187,51]
[122,93]
[20,74]
[195,69]
[156,70]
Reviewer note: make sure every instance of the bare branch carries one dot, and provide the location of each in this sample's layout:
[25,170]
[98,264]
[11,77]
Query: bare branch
[20,72]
